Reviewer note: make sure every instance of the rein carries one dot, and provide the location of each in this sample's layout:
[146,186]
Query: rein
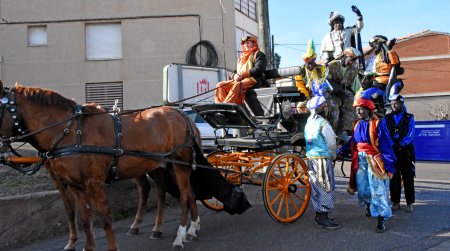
[8,103]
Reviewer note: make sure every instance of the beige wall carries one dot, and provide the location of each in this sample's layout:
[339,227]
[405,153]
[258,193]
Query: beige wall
[246,23]
[418,105]
[152,37]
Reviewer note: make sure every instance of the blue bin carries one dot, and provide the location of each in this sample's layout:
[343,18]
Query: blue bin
[432,140]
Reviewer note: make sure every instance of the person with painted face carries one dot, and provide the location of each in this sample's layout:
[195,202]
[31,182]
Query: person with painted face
[401,126]
[375,162]
[249,74]
[339,38]
[384,71]
[321,151]
[311,80]
[342,75]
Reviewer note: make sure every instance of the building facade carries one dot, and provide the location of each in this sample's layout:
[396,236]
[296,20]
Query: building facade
[103,50]
[425,56]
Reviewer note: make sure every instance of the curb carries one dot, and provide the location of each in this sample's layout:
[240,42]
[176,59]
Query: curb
[31,217]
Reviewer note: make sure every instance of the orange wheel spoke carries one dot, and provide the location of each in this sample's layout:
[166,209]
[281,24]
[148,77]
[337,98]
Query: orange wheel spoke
[280,169]
[273,188]
[298,178]
[300,174]
[280,205]
[274,184]
[292,173]
[300,197]
[287,208]
[305,186]
[291,168]
[293,203]
[276,178]
[286,166]
[275,199]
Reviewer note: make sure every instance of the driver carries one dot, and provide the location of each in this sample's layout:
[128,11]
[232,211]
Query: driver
[249,74]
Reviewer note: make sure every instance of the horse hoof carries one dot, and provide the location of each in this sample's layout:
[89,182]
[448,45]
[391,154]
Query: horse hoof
[133,231]
[69,249]
[156,235]
[191,237]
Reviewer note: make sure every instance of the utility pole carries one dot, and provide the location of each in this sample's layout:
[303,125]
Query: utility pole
[264,29]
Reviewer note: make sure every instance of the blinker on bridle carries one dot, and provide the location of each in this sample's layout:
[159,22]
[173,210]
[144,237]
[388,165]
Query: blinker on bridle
[8,103]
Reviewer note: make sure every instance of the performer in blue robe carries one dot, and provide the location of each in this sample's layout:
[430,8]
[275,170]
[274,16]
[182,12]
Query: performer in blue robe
[401,127]
[376,161]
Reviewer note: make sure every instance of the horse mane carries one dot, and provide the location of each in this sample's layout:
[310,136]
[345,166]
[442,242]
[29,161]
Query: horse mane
[51,98]
[93,107]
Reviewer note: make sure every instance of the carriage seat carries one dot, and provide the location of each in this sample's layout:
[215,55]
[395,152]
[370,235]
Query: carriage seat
[262,102]
[227,115]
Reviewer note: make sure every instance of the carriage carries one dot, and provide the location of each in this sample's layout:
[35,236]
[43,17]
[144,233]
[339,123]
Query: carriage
[82,146]
[259,143]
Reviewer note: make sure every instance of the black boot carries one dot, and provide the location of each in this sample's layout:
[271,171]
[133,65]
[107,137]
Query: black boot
[324,222]
[380,226]
[368,210]
[317,217]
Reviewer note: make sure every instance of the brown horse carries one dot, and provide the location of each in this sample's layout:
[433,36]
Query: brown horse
[166,183]
[84,146]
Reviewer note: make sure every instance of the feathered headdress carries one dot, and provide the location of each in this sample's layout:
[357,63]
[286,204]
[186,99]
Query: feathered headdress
[370,93]
[310,53]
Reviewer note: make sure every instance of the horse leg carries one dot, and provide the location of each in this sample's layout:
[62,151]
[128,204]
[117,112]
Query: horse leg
[104,212]
[84,209]
[70,208]
[144,189]
[182,175]
[158,177]
[195,218]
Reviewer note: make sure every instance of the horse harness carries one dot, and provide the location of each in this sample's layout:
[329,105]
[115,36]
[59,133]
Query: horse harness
[8,103]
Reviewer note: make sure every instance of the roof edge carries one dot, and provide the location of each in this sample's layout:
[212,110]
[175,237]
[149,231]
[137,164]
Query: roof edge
[420,34]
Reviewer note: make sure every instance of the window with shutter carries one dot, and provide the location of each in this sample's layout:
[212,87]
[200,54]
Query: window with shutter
[105,94]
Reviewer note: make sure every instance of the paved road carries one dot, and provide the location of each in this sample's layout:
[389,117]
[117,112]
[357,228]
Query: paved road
[427,228]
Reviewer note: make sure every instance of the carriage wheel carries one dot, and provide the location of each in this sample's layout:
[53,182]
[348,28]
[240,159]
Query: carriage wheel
[214,159]
[286,188]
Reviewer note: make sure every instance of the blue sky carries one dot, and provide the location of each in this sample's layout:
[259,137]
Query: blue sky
[293,22]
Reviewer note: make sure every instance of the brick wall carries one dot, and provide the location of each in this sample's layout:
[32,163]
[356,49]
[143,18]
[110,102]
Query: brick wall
[428,45]
[423,77]
[426,76]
